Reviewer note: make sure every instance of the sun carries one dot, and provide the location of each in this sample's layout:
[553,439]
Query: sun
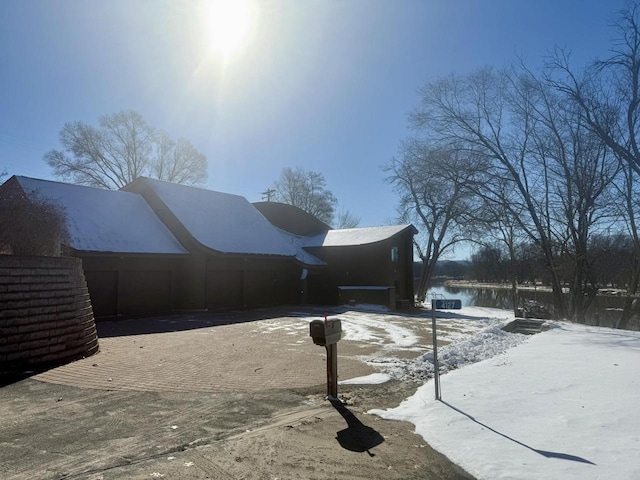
[228,24]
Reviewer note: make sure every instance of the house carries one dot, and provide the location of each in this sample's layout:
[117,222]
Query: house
[366,265]
[130,258]
[155,246]
[237,258]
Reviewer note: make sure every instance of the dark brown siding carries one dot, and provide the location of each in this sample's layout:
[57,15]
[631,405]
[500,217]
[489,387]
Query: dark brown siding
[158,284]
[234,281]
[131,285]
[364,265]
[103,288]
[224,288]
[146,291]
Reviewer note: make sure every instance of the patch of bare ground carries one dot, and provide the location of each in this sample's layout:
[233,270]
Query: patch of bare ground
[60,432]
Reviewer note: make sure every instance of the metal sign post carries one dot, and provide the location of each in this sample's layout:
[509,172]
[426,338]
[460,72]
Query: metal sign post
[436,367]
[440,304]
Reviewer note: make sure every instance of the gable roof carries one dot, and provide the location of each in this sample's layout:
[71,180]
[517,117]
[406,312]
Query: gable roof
[106,220]
[355,236]
[220,221]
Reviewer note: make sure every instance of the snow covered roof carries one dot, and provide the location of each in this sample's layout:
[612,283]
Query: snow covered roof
[291,219]
[123,222]
[354,236]
[106,220]
[301,254]
[220,221]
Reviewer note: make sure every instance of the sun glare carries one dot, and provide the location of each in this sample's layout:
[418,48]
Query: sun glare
[228,24]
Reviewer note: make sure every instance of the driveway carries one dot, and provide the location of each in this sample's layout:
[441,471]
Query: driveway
[238,351]
[237,395]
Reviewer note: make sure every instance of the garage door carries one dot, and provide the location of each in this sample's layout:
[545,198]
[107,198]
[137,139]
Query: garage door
[224,289]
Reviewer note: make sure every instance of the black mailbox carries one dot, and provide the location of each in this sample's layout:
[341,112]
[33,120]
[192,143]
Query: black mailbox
[325,332]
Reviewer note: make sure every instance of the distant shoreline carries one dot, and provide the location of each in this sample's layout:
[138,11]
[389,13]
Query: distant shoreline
[494,286]
[613,292]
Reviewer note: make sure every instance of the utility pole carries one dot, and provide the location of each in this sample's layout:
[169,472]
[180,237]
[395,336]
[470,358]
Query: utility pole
[268,194]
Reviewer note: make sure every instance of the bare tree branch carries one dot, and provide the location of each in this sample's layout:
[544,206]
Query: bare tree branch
[123,148]
[306,190]
[434,196]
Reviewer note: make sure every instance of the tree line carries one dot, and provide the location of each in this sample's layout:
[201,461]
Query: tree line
[610,255]
[546,159]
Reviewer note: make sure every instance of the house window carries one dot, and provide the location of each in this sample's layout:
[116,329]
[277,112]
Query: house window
[394,254]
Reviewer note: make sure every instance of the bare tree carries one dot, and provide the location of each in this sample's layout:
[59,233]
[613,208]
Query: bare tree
[306,190]
[433,185]
[488,264]
[579,171]
[501,227]
[485,115]
[615,258]
[123,148]
[346,219]
[177,162]
[608,91]
[31,226]
[544,170]
[607,95]
[630,213]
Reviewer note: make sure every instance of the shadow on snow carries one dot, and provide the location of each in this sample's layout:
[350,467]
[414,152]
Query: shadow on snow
[544,453]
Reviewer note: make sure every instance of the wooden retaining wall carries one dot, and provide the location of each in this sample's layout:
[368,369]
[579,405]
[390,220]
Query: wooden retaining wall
[46,317]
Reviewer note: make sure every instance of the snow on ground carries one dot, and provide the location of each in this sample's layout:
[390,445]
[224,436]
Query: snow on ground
[376,329]
[473,348]
[562,404]
[373,326]
[473,333]
[373,379]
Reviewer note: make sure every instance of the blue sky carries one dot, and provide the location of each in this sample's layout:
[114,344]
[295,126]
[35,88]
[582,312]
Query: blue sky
[325,85]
